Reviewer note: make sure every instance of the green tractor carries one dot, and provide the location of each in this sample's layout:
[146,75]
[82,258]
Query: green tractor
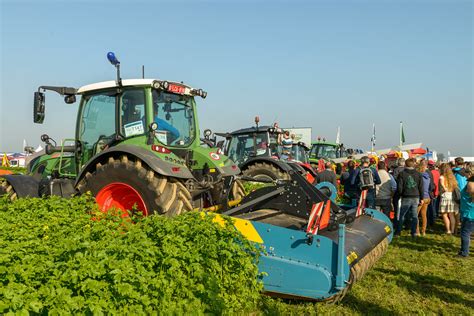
[40,167]
[137,144]
[326,151]
[260,155]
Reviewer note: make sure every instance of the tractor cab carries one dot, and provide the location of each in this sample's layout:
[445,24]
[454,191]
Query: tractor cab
[243,144]
[327,151]
[143,112]
[299,153]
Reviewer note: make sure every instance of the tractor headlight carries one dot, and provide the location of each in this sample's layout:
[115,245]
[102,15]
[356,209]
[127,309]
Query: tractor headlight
[199,92]
[154,126]
[156,84]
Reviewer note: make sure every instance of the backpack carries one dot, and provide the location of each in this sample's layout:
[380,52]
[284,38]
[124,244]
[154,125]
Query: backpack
[457,195]
[366,178]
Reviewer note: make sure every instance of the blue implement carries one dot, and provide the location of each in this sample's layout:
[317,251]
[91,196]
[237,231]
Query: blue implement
[320,267]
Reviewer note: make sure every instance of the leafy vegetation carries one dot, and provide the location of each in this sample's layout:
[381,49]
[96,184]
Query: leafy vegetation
[250,186]
[55,259]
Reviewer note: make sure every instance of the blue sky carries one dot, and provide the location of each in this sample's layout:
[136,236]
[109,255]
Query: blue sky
[318,64]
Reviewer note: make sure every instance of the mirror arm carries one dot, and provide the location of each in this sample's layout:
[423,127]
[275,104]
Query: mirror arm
[150,140]
[60,90]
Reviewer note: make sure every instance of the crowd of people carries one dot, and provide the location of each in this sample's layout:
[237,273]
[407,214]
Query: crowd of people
[414,193]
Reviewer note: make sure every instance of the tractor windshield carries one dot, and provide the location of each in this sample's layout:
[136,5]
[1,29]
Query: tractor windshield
[96,127]
[327,151]
[298,153]
[241,147]
[175,118]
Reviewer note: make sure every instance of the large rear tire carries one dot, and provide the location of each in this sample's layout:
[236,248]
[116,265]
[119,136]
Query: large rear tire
[123,183]
[265,171]
[7,189]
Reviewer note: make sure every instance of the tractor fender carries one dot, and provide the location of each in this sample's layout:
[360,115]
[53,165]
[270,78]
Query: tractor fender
[296,167]
[279,164]
[308,168]
[24,185]
[154,162]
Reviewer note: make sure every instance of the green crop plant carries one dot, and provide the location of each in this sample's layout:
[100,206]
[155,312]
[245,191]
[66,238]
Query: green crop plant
[54,259]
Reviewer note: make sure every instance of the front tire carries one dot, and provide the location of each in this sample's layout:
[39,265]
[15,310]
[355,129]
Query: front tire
[122,183]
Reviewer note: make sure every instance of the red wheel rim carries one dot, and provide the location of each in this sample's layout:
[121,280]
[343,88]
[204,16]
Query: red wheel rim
[120,196]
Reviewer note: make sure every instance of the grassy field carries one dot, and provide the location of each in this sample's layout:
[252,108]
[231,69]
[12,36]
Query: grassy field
[416,276]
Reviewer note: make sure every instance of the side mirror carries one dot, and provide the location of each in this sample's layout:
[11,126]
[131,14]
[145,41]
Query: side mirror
[220,144]
[207,133]
[69,99]
[38,107]
[151,133]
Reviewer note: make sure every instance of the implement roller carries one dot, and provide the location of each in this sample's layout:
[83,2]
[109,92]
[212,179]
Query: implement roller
[312,249]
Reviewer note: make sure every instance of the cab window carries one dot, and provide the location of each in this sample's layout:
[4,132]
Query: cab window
[174,116]
[132,112]
[97,126]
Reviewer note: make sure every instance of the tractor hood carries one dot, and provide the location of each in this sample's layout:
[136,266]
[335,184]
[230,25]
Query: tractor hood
[214,160]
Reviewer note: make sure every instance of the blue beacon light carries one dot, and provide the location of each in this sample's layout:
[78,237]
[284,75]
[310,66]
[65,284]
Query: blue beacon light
[113,60]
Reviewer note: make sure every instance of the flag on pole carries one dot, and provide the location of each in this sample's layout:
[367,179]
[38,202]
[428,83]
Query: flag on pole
[402,134]
[5,161]
[372,139]
[338,135]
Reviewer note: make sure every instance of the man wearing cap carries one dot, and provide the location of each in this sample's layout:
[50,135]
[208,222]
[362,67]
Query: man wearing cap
[355,180]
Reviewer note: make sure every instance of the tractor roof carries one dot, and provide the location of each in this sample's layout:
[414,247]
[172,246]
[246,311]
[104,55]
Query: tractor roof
[125,83]
[324,143]
[252,129]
